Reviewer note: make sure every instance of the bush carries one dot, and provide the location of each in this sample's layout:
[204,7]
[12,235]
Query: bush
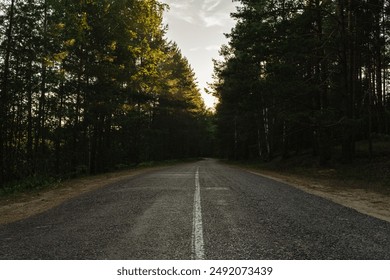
[32,183]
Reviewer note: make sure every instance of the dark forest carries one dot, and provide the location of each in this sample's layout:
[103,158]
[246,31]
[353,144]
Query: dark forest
[304,76]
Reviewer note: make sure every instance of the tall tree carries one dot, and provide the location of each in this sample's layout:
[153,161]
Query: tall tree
[301,75]
[88,85]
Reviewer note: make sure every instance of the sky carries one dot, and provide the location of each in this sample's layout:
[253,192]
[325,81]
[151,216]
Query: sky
[198,27]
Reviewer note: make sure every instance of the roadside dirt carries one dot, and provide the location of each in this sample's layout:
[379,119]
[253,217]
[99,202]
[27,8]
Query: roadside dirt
[349,194]
[22,206]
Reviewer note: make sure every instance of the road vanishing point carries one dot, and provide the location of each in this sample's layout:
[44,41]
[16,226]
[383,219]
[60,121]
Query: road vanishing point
[199,210]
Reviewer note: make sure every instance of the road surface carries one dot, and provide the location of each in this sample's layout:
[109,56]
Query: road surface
[201,210]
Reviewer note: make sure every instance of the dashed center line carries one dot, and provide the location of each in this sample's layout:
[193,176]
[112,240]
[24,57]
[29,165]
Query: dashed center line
[197,227]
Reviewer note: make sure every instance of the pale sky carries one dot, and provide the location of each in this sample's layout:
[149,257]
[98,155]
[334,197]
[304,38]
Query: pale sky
[198,27]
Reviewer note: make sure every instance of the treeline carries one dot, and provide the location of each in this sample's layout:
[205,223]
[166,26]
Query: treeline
[304,76]
[87,85]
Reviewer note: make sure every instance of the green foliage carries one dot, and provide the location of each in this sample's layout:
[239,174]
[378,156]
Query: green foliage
[29,184]
[91,85]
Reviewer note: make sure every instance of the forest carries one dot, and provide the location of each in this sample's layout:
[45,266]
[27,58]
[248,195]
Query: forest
[301,76]
[87,86]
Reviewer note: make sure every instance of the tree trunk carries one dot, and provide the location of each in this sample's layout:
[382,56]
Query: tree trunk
[4,99]
[30,161]
[347,68]
[40,139]
[378,66]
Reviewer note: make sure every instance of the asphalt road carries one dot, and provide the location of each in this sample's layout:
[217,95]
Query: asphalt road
[202,210]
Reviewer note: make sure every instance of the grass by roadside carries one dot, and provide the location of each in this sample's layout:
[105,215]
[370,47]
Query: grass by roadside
[342,178]
[368,173]
[373,176]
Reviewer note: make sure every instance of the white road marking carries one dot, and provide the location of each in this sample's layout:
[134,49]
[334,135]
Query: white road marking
[197,227]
